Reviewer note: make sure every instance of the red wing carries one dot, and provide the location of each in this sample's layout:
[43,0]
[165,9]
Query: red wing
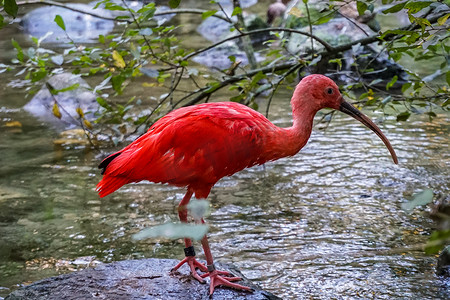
[194,148]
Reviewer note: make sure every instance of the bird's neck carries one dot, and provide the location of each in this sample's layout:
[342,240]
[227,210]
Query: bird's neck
[289,141]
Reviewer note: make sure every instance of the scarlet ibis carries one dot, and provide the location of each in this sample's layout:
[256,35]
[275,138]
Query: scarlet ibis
[194,147]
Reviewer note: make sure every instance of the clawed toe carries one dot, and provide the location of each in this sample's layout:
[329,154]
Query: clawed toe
[193,266]
[218,280]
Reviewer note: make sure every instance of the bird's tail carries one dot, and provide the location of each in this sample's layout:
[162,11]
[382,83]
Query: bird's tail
[109,184]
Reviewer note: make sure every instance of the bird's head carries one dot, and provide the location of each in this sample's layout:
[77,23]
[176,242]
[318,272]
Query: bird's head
[318,91]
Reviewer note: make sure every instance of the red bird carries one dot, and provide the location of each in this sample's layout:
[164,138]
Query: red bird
[196,146]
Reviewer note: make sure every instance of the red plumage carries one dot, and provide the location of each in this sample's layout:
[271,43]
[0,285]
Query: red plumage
[193,146]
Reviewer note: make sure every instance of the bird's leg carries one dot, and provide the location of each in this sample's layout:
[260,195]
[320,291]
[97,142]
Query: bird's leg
[189,250]
[219,277]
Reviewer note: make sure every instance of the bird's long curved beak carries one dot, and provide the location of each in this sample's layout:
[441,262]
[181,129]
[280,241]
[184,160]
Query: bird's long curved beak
[350,110]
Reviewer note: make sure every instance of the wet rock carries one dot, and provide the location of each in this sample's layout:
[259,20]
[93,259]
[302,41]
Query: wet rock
[217,58]
[215,29]
[79,26]
[341,31]
[243,3]
[136,5]
[41,104]
[133,279]
[443,263]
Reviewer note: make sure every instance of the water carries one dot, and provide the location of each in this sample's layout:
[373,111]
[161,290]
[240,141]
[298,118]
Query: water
[325,224]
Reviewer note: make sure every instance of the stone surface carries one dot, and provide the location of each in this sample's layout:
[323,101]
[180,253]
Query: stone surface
[79,26]
[443,262]
[134,279]
[41,104]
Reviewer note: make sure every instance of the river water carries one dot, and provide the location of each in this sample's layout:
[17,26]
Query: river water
[324,224]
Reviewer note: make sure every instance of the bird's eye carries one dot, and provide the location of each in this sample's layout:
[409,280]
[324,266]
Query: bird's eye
[330,91]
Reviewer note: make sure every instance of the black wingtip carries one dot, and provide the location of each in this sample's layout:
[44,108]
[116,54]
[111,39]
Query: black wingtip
[106,161]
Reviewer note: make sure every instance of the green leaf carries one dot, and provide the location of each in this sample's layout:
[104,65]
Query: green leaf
[394,9]
[208,14]
[60,22]
[392,82]
[69,88]
[258,76]
[336,60]
[447,77]
[149,13]
[112,6]
[236,11]
[38,75]
[117,83]
[174,231]
[406,86]
[102,102]
[16,45]
[361,7]
[324,19]
[419,199]
[11,7]
[174,3]
[441,21]
[437,240]
[213,87]
[403,116]
[416,6]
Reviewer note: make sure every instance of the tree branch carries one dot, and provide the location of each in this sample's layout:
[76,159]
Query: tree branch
[67,6]
[204,92]
[327,46]
[162,13]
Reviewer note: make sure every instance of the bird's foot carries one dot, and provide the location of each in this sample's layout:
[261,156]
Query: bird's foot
[192,263]
[223,278]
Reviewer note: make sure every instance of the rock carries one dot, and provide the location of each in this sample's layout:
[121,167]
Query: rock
[79,26]
[341,31]
[217,58]
[443,263]
[133,279]
[136,5]
[244,3]
[335,32]
[215,29]
[41,104]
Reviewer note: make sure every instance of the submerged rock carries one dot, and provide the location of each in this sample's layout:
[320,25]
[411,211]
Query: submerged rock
[81,97]
[80,27]
[218,57]
[341,31]
[443,263]
[134,279]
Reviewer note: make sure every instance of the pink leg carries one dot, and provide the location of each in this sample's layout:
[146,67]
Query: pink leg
[219,277]
[189,250]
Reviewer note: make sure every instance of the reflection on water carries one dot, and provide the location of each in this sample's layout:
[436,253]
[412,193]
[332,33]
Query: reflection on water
[324,224]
